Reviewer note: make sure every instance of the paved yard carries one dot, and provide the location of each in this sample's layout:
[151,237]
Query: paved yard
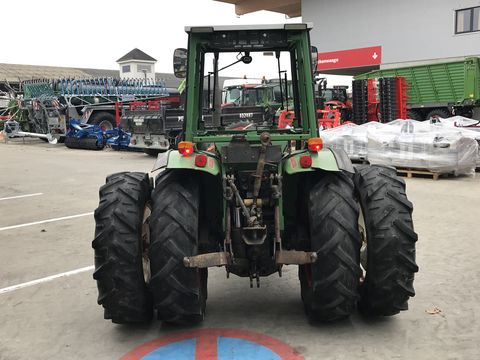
[59,318]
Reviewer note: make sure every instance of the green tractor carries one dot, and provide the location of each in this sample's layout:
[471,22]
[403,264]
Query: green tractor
[252,199]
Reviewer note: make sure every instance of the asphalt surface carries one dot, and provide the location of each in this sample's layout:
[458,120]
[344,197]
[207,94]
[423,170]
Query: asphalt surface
[60,319]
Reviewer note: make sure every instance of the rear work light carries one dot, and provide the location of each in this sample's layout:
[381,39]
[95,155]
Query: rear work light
[315,144]
[185,148]
[305,161]
[200,160]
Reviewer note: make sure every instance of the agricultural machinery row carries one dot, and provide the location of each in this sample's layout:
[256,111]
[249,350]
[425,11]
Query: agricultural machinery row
[54,109]
[152,114]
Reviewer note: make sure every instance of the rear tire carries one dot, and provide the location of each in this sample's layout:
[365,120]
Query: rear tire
[118,245]
[330,285]
[390,238]
[438,113]
[103,119]
[179,292]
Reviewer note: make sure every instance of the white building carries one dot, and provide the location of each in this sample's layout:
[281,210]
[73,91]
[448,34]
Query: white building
[137,65]
[356,36]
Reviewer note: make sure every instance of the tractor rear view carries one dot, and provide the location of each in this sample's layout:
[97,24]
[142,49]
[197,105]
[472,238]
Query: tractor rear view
[252,199]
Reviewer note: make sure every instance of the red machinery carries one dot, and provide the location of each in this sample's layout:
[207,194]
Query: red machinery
[373,100]
[327,119]
[382,99]
[285,119]
[401,91]
[150,105]
[335,98]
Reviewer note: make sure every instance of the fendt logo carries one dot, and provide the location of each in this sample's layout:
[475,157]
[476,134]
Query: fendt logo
[245,115]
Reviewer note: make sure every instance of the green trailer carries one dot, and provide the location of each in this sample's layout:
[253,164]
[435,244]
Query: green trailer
[439,89]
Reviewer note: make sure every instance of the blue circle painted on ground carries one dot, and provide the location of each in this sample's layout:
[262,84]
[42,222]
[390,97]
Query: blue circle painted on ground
[213,344]
[227,349]
[181,350]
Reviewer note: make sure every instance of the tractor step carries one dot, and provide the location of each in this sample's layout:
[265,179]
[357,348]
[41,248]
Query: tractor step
[207,260]
[294,257]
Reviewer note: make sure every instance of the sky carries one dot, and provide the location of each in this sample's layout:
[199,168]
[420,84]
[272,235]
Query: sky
[96,33]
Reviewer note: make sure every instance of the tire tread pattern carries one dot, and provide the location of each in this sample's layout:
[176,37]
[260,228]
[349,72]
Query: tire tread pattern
[390,241]
[333,214]
[177,290]
[118,259]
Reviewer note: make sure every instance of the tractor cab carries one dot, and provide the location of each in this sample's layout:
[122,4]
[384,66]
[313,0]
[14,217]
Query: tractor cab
[248,95]
[336,95]
[216,49]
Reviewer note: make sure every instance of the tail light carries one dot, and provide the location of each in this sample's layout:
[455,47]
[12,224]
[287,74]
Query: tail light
[305,161]
[315,144]
[200,160]
[185,148]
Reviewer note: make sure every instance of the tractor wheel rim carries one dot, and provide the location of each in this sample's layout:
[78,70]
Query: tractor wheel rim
[105,125]
[363,238]
[145,239]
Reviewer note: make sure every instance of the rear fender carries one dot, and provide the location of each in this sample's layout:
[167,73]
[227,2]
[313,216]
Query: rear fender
[326,159]
[172,159]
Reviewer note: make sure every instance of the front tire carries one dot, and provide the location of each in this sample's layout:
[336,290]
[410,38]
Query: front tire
[119,248]
[330,285]
[390,240]
[179,292]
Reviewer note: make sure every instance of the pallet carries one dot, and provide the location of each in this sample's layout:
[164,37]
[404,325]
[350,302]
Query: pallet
[411,172]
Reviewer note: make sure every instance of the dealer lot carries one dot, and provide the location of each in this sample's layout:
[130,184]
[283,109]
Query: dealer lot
[60,319]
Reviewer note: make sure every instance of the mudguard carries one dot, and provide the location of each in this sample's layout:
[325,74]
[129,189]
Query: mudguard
[343,161]
[172,159]
[326,159]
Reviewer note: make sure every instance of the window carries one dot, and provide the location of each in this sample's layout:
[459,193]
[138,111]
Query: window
[125,68]
[467,20]
[144,68]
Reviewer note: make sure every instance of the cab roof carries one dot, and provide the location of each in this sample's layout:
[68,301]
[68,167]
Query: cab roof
[213,28]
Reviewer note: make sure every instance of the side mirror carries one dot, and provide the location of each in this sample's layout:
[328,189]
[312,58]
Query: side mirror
[180,63]
[314,52]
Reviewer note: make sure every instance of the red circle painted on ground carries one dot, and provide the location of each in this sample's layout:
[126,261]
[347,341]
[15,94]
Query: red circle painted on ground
[206,348]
